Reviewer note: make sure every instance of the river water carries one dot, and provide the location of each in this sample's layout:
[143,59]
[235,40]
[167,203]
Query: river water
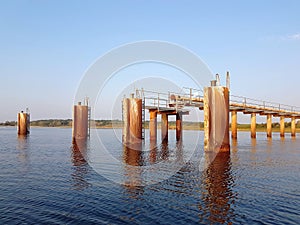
[46,179]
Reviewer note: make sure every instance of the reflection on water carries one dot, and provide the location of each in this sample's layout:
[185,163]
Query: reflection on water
[217,196]
[153,152]
[133,156]
[22,142]
[133,161]
[23,154]
[179,151]
[80,165]
[258,183]
[158,162]
[164,150]
[234,143]
[253,142]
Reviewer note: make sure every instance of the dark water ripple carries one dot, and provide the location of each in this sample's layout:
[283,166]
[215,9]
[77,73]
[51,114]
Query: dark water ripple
[44,180]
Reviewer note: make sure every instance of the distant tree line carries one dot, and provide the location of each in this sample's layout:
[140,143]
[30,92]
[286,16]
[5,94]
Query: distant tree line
[52,123]
[119,123]
[9,123]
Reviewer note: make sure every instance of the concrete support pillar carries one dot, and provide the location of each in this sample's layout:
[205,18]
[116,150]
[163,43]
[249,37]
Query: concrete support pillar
[23,123]
[293,127]
[269,125]
[234,124]
[80,122]
[153,125]
[164,127]
[216,119]
[132,116]
[282,126]
[253,125]
[178,126]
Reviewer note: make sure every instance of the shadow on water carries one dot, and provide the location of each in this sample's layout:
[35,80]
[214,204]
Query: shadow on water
[217,195]
[80,166]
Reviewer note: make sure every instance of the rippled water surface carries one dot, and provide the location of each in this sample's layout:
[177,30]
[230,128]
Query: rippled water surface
[45,179]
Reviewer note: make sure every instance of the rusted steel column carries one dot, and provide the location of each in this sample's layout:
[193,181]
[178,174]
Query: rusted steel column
[234,124]
[178,126]
[164,127]
[136,123]
[282,126]
[293,127]
[23,123]
[269,125]
[253,125]
[80,122]
[132,117]
[216,119]
[126,119]
[153,125]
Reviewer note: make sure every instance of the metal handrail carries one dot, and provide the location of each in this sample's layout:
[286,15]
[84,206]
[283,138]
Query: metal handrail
[264,104]
[164,99]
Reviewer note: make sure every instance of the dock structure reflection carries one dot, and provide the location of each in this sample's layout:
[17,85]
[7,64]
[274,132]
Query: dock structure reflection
[153,152]
[151,163]
[80,165]
[23,154]
[217,197]
[133,160]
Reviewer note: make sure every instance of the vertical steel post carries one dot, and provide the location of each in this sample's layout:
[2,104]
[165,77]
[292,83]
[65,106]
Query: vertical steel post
[234,124]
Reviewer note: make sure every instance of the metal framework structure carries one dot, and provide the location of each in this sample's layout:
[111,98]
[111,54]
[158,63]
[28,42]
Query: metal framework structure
[190,97]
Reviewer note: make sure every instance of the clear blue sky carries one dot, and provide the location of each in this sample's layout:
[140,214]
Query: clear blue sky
[46,46]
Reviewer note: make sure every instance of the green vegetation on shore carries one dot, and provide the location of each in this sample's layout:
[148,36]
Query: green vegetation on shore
[119,124]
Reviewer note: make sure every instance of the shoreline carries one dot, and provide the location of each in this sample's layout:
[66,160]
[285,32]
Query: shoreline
[258,130]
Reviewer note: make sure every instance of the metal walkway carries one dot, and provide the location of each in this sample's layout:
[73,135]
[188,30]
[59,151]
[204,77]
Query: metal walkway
[190,97]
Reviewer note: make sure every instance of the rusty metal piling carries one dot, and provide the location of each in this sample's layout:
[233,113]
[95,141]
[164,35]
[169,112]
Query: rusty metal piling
[133,124]
[216,118]
[23,123]
[80,123]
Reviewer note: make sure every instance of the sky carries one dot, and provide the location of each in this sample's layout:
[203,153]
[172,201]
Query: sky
[47,46]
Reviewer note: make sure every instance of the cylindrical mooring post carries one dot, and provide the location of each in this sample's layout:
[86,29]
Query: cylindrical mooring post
[136,122]
[178,126]
[80,122]
[216,119]
[282,126]
[164,127]
[269,125]
[293,127]
[153,125]
[126,120]
[253,125]
[23,123]
[234,124]
[132,116]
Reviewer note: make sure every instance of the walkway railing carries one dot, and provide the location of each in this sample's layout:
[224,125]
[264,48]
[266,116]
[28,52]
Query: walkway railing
[194,98]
